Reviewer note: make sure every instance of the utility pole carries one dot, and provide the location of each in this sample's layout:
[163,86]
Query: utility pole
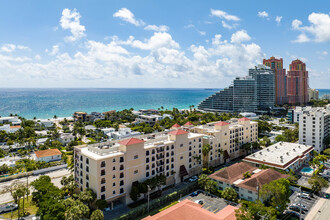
[148,196]
[300,203]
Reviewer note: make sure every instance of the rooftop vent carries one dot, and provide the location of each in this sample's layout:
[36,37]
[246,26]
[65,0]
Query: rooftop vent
[260,152]
[287,153]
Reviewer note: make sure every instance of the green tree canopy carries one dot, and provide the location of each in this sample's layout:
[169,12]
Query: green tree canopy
[277,193]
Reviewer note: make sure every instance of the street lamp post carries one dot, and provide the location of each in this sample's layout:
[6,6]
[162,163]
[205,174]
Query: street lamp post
[148,196]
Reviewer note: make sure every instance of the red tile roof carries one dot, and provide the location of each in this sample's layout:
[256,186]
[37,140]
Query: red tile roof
[47,153]
[187,209]
[244,119]
[17,126]
[188,124]
[261,178]
[222,123]
[176,126]
[232,173]
[131,141]
[178,132]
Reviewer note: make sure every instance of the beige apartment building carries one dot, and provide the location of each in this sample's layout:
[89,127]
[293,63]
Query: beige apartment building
[111,168]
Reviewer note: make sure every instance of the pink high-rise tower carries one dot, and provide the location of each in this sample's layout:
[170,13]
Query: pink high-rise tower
[297,83]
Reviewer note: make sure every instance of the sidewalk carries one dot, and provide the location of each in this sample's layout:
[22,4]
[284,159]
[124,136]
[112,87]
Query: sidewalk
[320,210]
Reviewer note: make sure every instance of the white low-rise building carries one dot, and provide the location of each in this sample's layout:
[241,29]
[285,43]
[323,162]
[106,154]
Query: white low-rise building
[148,119]
[10,128]
[47,123]
[10,120]
[282,155]
[66,138]
[123,133]
[246,188]
[48,155]
[90,127]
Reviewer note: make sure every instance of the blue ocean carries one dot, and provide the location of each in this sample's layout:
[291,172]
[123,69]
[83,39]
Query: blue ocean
[45,103]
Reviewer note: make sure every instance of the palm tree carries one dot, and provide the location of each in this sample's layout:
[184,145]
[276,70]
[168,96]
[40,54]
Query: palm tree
[87,196]
[69,184]
[202,180]
[205,151]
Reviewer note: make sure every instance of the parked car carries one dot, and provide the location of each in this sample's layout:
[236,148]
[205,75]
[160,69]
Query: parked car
[302,206]
[194,194]
[193,179]
[106,209]
[296,208]
[304,196]
[8,207]
[292,213]
[201,202]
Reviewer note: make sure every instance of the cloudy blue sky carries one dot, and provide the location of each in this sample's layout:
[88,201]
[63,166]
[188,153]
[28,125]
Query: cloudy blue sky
[148,43]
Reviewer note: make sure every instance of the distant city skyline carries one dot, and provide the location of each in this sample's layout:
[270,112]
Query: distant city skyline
[149,44]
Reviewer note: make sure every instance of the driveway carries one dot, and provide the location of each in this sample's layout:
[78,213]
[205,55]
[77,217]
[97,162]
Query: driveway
[56,177]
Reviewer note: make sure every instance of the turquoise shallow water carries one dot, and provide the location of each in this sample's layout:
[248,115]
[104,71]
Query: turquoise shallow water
[45,103]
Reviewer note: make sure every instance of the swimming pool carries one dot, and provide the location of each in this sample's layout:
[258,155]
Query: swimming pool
[307,170]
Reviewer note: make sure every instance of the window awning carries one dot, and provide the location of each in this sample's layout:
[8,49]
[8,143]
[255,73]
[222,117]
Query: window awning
[183,171]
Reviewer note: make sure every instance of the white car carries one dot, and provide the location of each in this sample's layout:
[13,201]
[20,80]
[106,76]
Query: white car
[8,207]
[304,195]
[201,202]
[302,206]
[193,179]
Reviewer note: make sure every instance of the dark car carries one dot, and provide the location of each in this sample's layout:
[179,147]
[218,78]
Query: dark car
[296,208]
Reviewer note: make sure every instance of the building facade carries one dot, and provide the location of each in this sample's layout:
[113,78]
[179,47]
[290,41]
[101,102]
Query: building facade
[313,94]
[48,155]
[246,188]
[297,83]
[280,79]
[111,168]
[245,94]
[282,155]
[265,82]
[314,126]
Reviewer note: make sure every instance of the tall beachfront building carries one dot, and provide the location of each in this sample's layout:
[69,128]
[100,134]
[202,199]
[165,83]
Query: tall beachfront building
[280,79]
[245,94]
[110,169]
[297,83]
[314,125]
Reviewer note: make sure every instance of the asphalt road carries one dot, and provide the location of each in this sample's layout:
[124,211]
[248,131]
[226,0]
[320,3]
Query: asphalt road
[56,177]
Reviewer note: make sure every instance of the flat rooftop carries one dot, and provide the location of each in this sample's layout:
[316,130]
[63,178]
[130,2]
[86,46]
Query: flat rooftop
[281,154]
[111,148]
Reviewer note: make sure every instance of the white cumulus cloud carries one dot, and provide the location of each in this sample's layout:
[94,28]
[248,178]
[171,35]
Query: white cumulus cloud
[54,51]
[278,19]
[263,14]
[160,28]
[224,15]
[318,30]
[240,36]
[70,20]
[12,47]
[128,16]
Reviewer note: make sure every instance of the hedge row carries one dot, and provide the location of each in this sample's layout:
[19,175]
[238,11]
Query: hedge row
[142,209]
[304,188]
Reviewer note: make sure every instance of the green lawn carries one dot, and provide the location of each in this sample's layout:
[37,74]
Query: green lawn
[29,209]
[155,211]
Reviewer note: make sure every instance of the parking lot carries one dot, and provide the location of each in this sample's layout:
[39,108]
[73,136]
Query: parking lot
[309,203]
[211,203]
